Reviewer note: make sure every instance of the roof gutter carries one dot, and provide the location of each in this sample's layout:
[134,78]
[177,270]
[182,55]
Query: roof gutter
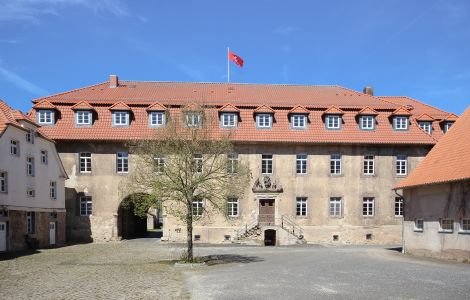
[402,222]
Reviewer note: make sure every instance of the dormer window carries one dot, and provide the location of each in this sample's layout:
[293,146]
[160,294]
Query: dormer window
[264,121]
[298,121]
[426,126]
[120,118]
[45,117]
[447,126]
[333,122]
[367,122]
[83,117]
[400,123]
[156,119]
[228,119]
[193,119]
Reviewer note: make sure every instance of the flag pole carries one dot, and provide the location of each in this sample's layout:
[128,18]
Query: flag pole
[228,64]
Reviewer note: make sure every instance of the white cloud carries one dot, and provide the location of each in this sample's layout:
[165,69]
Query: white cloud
[21,82]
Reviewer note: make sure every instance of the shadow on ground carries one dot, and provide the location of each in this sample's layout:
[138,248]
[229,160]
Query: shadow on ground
[212,260]
[396,249]
[16,254]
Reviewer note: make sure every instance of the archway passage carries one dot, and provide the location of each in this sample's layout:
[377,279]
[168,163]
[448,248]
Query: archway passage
[270,237]
[130,224]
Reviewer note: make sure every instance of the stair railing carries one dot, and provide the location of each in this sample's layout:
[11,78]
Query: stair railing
[290,226]
[247,227]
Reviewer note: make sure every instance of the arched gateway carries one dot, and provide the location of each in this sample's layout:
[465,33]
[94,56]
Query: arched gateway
[130,224]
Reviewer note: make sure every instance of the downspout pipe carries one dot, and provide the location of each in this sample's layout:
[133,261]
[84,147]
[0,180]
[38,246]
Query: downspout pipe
[402,223]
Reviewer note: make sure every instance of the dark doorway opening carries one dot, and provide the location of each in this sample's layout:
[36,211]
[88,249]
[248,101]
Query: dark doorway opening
[130,225]
[270,237]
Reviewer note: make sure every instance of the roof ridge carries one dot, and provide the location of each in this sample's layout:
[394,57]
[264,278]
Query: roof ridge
[416,100]
[67,92]
[239,83]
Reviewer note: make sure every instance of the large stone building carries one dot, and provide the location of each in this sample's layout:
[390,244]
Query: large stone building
[437,198]
[324,159]
[32,201]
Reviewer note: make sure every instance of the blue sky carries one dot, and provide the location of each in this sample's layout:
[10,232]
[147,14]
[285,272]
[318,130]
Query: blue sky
[416,48]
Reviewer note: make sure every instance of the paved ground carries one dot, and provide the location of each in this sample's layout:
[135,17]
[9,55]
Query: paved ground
[134,270]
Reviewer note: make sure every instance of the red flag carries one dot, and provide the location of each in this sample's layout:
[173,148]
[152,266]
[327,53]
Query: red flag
[235,58]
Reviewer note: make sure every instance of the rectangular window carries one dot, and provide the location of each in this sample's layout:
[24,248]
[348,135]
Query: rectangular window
[120,118]
[30,136]
[31,222]
[85,162]
[299,121]
[156,119]
[53,190]
[465,225]
[367,122]
[85,206]
[30,166]
[368,206]
[446,225]
[197,207]
[83,117]
[400,123]
[301,164]
[197,163]
[398,207]
[45,117]
[232,207]
[418,225]
[122,162]
[335,207]
[193,119]
[159,164]
[426,126]
[229,120]
[401,165]
[30,193]
[3,182]
[333,122]
[14,147]
[232,163]
[335,164]
[301,206]
[264,120]
[266,164]
[447,126]
[368,167]
[44,157]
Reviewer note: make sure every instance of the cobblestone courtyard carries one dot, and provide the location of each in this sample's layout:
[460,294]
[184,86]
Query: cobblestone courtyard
[134,270]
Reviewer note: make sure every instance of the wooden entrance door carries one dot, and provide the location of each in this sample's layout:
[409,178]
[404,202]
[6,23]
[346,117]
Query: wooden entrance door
[266,211]
[3,236]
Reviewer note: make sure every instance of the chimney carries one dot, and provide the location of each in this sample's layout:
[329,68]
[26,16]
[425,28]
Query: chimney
[369,90]
[113,81]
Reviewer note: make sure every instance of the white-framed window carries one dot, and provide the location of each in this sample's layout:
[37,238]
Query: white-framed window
[367,122]
[368,167]
[120,118]
[85,162]
[3,182]
[368,206]
[15,147]
[446,225]
[83,117]
[301,206]
[156,118]
[122,162]
[45,117]
[333,122]
[298,121]
[232,207]
[193,119]
[264,120]
[266,164]
[53,190]
[198,207]
[400,123]
[86,206]
[447,126]
[30,136]
[30,166]
[426,126]
[31,222]
[335,207]
[335,164]
[44,157]
[418,225]
[301,163]
[30,192]
[229,119]
[398,207]
[159,164]
[197,163]
[401,165]
[232,163]
[464,225]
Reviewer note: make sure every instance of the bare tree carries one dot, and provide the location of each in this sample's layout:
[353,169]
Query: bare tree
[188,162]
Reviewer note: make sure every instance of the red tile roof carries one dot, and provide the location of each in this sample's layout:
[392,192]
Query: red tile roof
[448,161]
[299,109]
[120,106]
[44,104]
[333,110]
[82,105]
[401,111]
[229,108]
[450,118]
[156,107]
[425,117]
[367,111]
[264,109]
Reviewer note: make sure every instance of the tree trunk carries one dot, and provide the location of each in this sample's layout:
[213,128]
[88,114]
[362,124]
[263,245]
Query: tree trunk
[189,227]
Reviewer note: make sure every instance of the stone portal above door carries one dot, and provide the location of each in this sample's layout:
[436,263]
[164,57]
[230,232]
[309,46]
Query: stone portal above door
[267,184]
